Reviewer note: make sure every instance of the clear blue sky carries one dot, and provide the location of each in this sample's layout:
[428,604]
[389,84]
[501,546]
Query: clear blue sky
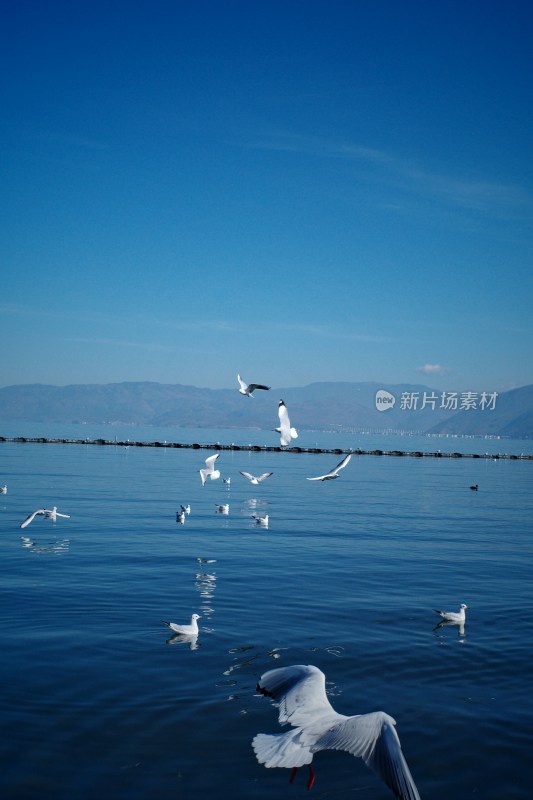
[298,191]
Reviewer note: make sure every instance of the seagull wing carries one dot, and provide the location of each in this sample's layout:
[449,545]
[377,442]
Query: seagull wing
[31,517]
[247,475]
[285,430]
[210,462]
[300,691]
[373,738]
[253,386]
[342,463]
[243,385]
[264,476]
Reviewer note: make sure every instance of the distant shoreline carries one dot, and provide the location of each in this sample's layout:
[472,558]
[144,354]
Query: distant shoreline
[264,448]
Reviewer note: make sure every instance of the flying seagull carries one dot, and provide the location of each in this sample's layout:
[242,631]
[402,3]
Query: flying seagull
[185,630]
[301,693]
[210,471]
[47,513]
[329,476]
[453,616]
[287,433]
[248,389]
[254,480]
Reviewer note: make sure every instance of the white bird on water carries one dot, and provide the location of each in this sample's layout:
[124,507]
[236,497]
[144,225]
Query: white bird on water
[222,508]
[254,480]
[180,517]
[249,388]
[210,471]
[287,433]
[185,630]
[301,693]
[47,513]
[453,616]
[3,489]
[329,476]
[186,509]
[261,520]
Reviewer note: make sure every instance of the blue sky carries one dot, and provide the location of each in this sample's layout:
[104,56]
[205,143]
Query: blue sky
[296,191]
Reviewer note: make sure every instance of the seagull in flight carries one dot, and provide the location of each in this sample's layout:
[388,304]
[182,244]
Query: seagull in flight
[210,471]
[254,480]
[248,389]
[329,476]
[453,616]
[286,432]
[47,513]
[301,693]
[185,630]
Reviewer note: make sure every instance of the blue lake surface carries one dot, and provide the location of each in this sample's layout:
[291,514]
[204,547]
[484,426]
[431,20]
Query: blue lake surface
[99,701]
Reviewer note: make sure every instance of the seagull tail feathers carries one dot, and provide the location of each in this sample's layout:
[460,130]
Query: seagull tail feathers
[281,749]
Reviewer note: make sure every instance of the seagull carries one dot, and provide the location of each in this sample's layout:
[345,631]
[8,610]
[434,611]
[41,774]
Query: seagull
[186,509]
[475,487]
[301,693]
[249,389]
[47,513]
[329,476]
[287,433]
[254,480]
[261,520]
[453,616]
[227,481]
[210,471]
[185,630]
[3,489]
[180,517]
[222,509]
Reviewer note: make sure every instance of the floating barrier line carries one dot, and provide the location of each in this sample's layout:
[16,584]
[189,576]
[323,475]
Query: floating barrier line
[266,448]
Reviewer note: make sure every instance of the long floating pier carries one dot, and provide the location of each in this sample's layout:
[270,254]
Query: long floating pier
[265,448]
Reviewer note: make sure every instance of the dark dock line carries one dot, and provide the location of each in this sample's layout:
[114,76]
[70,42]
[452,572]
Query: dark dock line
[265,448]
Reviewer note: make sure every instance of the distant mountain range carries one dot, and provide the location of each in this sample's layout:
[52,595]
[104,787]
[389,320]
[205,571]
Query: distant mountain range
[318,406]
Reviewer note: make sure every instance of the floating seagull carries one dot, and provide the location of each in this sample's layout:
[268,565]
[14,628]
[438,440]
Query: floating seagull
[287,433]
[227,481]
[186,509]
[329,476]
[3,489]
[254,480]
[185,630]
[210,471]
[261,520]
[475,487]
[301,693]
[47,513]
[249,389]
[180,517]
[453,616]
[222,509]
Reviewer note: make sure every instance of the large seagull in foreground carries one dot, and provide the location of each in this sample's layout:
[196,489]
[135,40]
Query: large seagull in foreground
[249,388]
[329,476]
[286,432]
[301,693]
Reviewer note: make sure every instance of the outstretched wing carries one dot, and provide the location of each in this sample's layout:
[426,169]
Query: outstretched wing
[247,475]
[342,463]
[373,738]
[253,386]
[31,517]
[300,691]
[210,462]
[264,476]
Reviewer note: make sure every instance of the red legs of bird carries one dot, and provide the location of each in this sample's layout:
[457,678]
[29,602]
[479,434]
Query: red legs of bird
[311,779]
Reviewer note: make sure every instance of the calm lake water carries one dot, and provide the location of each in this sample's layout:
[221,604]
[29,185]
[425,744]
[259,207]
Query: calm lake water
[99,702]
